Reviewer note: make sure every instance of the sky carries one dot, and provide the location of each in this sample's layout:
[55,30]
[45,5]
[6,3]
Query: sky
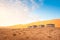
[14,12]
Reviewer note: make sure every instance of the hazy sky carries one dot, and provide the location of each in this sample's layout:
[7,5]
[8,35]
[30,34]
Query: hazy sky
[14,12]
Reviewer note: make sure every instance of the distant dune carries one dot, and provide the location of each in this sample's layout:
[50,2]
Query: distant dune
[55,21]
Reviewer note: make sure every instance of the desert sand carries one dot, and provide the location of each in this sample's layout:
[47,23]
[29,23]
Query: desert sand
[46,33]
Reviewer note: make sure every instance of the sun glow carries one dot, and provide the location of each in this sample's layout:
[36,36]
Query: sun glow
[12,13]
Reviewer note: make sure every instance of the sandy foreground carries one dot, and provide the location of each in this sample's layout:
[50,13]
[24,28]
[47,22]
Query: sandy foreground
[30,34]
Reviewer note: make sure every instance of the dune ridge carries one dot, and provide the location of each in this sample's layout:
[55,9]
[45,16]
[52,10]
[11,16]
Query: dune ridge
[54,21]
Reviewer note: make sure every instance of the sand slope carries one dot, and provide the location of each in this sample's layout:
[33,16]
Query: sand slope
[55,21]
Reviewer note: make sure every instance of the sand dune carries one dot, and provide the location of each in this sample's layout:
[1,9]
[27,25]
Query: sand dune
[55,21]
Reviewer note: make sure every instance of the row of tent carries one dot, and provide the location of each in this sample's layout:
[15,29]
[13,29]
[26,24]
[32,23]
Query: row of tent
[47,25]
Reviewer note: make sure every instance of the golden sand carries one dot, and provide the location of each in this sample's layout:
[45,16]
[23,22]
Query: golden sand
[30,34]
